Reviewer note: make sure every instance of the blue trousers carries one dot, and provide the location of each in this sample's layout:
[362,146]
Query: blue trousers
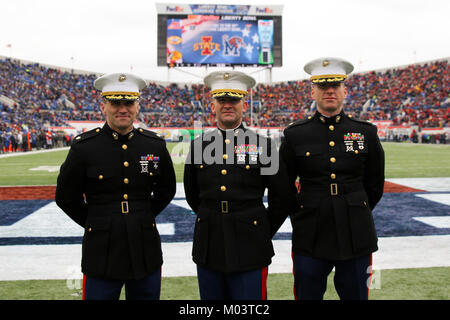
[248,285]
[351,278]
[148,288]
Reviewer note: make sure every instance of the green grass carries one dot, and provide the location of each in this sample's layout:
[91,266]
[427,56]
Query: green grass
[407,160]
[178,151]
[403,160]
[16,170]
[399,284]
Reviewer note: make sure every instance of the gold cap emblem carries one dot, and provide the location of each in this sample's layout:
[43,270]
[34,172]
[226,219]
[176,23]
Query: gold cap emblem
[122,78]
[226,76]
[325,63]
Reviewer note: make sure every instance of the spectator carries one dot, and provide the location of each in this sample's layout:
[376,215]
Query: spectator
[416,95]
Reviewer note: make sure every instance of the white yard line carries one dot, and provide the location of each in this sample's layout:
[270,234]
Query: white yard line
[426,184]
[63,261]
[15,154]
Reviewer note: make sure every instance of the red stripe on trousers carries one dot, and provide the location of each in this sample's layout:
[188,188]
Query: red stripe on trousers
[264,283]
[293,273]
[84,287]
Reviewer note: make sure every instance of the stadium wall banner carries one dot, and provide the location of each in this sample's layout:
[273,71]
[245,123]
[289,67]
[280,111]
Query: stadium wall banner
[435,130]
[218,9]
[382,126]
[169,134]
[188,133]
[408,130]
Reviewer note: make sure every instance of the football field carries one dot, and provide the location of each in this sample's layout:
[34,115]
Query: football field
[40,247]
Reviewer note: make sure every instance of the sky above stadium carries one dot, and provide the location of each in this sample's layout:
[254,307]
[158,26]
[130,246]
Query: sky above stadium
[110,36]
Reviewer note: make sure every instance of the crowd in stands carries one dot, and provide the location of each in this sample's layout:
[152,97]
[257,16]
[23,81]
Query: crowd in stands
[39,97]
[27,140]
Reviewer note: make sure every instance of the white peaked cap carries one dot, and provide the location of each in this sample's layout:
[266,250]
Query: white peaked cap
[229,84]
[120,86]
[328,69]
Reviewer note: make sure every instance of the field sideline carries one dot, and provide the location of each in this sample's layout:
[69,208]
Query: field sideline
[403,160]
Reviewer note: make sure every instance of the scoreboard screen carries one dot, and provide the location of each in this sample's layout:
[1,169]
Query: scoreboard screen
[219,35]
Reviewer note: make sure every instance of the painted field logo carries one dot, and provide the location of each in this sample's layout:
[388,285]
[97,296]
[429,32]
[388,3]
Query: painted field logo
[207,46]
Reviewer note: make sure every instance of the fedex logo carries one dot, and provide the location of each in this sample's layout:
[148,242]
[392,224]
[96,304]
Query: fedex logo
[174,9]
[263,10]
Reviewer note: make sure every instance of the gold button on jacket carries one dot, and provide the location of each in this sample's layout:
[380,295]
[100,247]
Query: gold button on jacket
[348,169]
[227,197]
[102,177]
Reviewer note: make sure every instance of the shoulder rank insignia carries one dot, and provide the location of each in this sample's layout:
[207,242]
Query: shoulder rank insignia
[87,135]
[150,134]
[349,116]
[299,122]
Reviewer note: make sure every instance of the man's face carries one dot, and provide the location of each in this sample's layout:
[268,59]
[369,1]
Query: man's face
[120,115]
[229,111]
[329,97]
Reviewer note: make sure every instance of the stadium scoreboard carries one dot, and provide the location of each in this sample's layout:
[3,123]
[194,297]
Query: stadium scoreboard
[191,35]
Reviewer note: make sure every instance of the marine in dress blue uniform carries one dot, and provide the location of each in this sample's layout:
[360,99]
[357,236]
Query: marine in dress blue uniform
[339,162]
[232,244]
[113,183]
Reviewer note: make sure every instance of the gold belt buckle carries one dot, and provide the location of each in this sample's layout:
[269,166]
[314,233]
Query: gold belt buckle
[334,189]
[224,206]
[124,207]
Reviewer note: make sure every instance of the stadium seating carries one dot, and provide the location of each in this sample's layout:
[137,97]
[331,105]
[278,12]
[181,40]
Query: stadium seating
[34,97]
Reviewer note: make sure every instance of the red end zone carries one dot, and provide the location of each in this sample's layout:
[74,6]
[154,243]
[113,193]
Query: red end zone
[28,193]
[48,192]
[390,187]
